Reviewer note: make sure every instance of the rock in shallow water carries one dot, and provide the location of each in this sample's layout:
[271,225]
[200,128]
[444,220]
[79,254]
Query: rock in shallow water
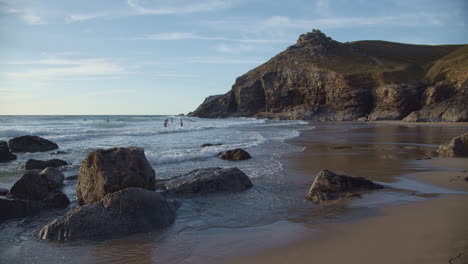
[331,186]
[33,164]
[208,180]
[456,147]
[234,154]
[31,144]
[54,176]
[120,213]
[5,154]
[107,171]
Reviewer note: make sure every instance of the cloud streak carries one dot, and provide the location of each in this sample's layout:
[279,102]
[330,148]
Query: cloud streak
[27,15]
[188,8]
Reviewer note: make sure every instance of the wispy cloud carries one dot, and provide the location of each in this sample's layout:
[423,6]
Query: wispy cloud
[55,68]
[237,48]
[109,92]
[85,17]
[187,7]
[27,15]
[193,36]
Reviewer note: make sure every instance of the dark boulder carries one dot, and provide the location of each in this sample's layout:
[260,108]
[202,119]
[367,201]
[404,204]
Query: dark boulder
[235,154]
[456,147]
[32,186]
[33,164]
[107,171]
[54,176]
[5,154]
[131,210]
[330,186]
[16,208]
[31,144]
[210,145]
[209,180]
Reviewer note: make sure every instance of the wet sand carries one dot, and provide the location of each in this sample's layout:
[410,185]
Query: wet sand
[432,230]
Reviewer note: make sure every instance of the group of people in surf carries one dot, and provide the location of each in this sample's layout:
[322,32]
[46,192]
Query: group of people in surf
[166,122]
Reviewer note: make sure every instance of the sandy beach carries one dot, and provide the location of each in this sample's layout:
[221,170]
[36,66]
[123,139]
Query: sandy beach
[431,230]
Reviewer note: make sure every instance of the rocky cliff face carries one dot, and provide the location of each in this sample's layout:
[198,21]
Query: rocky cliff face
[321,79]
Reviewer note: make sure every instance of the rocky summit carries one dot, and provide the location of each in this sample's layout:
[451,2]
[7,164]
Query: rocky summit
[319,78]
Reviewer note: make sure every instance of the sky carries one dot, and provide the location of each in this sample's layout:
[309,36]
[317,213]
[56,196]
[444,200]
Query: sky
[165,56]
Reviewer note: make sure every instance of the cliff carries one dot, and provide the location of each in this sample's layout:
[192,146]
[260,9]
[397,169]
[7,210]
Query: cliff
[319,78]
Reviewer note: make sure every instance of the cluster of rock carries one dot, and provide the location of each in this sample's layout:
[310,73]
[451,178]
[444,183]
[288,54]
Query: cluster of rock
[34,192]
[115,191]
[5,153]
[319,78]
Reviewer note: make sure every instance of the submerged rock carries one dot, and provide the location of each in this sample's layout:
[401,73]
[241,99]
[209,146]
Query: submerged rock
[210,145]
[330,186]
[234,154]
[107,171]
[5,154]
[33,164]
[72,178]
[31,144]
[208,180]
[120,213]
[456,147]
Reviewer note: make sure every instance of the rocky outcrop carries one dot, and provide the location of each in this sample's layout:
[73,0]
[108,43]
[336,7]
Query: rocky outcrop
[32,193]
[456,147]
[111,170]
[120,213]
[31,144]
[234,155]
[203,181]
[453,109]
[5,154]
[33,164]
[321,79]
[329,186]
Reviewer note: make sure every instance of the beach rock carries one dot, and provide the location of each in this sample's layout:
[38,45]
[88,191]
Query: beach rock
[33,164]
[31,144]
[456,147]
[330,186]
[235,154]
[5,154]
[208,180]
[4,191]
[451,110]
[54,176]
[210,145]
[395,101]
[32,186]
[131,210]
[107,171]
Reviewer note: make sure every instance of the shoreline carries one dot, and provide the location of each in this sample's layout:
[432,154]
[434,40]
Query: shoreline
[431,230]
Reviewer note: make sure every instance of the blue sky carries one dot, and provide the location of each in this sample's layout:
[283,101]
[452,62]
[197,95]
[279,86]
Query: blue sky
[166,56]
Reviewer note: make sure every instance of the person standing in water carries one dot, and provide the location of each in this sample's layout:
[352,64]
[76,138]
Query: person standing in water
[166,123]
[181,123]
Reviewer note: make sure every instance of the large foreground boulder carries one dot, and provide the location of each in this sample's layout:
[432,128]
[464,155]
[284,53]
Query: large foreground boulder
[331,186]
[456,147]
[107,171]
[234,154]
[124,212]
[209,180]
[5,154]
[31,144]
[33,164]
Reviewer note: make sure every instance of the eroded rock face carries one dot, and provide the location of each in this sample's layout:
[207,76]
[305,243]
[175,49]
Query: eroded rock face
[31,144]
[331,186]
[451,110]
[456,147]
[234,155]
[208,180]
[107,171]
[396,101]
[33,164]
[5,154]
[120,213]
